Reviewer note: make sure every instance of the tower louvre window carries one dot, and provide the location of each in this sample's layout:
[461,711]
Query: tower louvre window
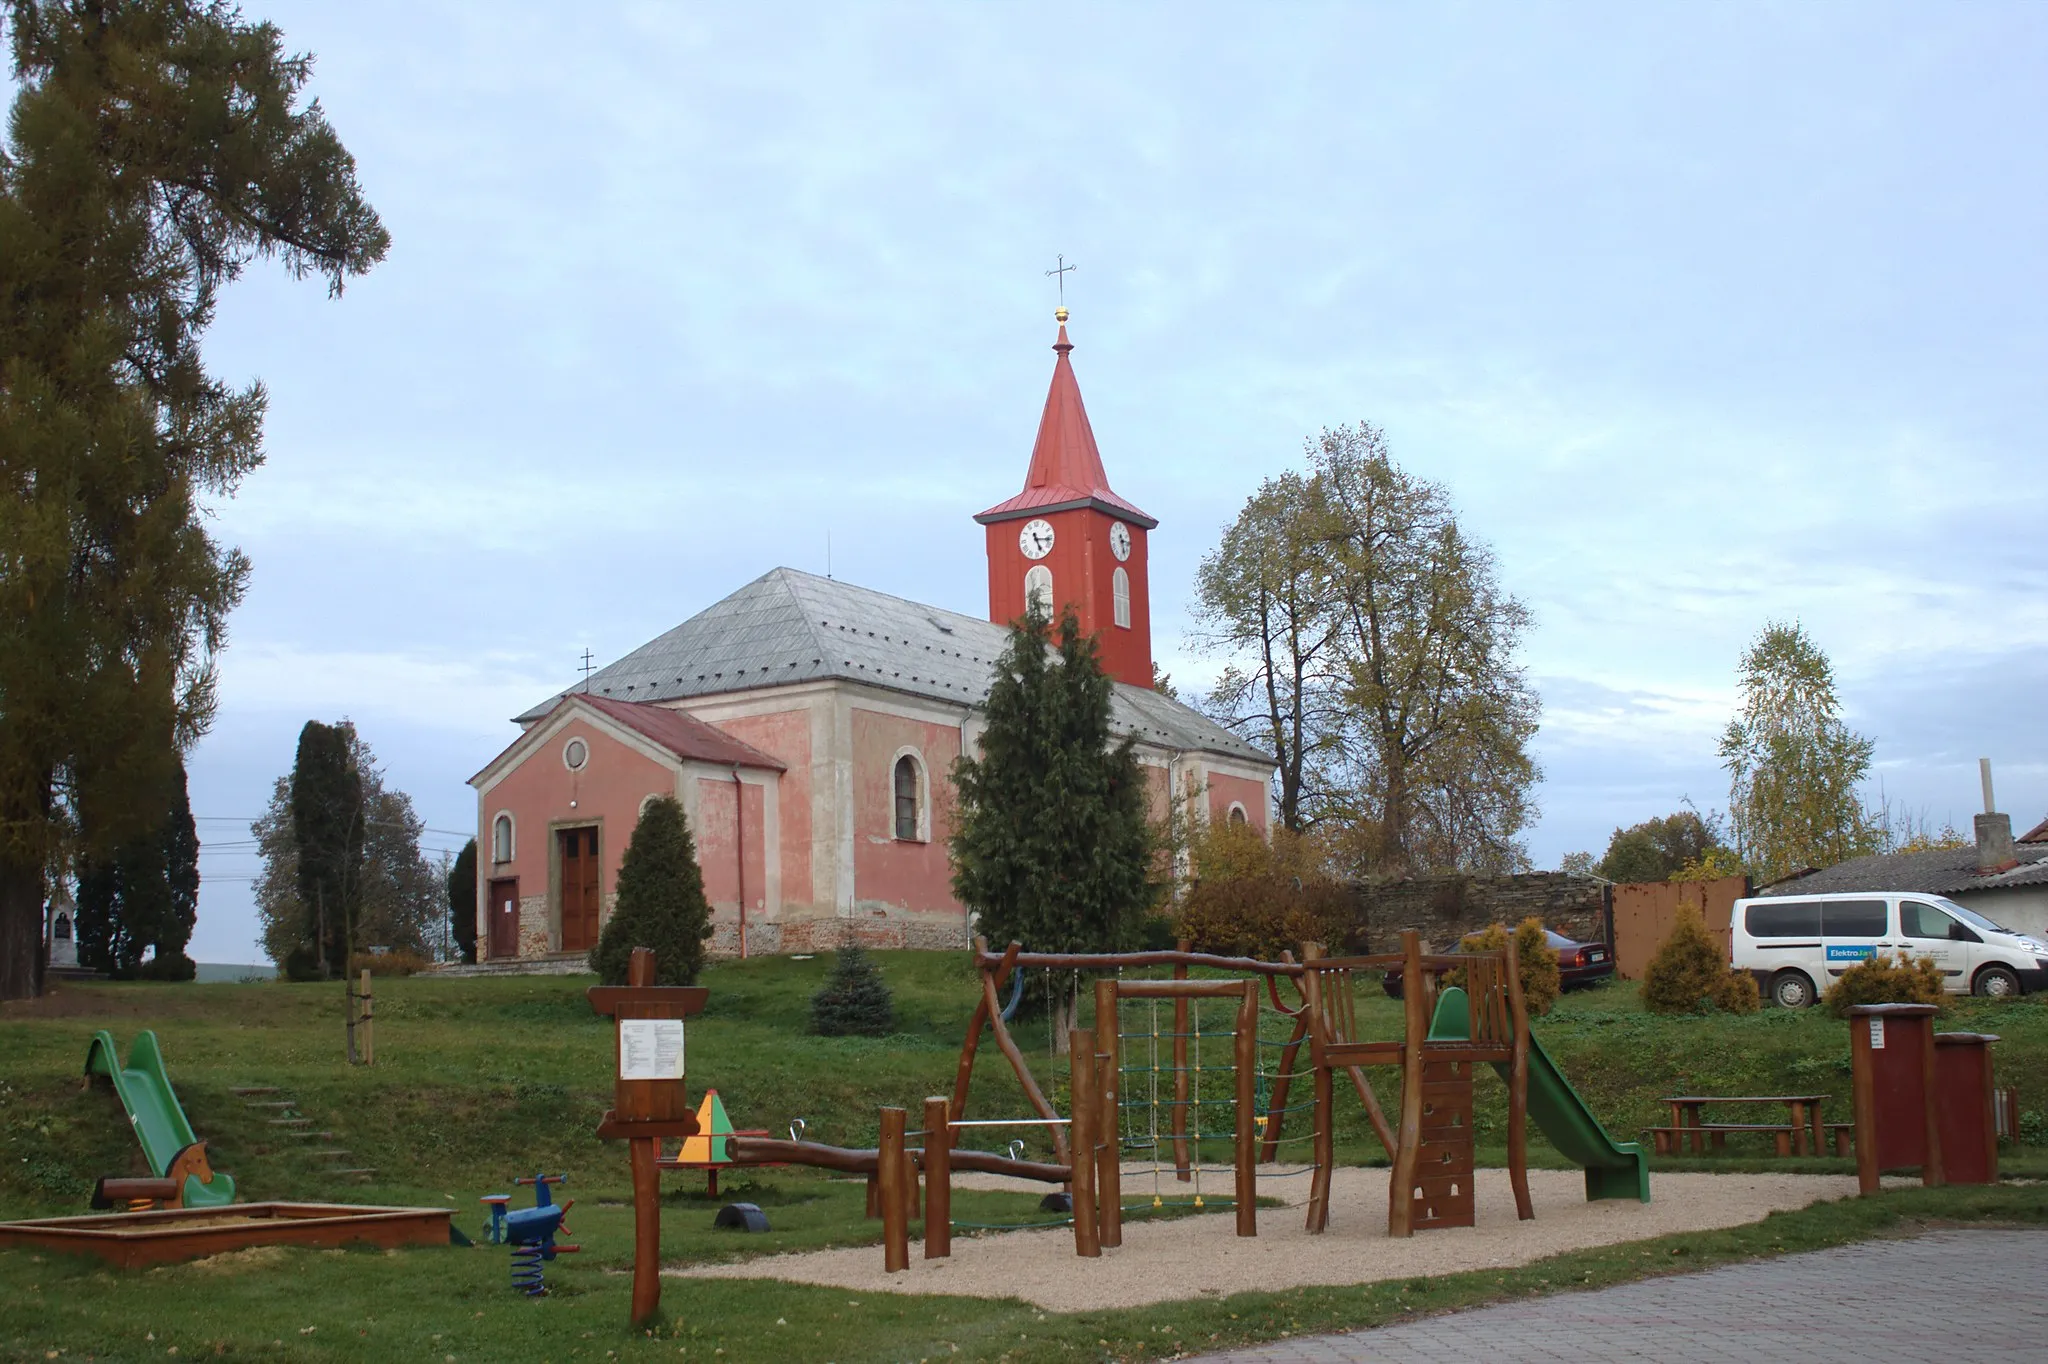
[1038,589]
[1120,597]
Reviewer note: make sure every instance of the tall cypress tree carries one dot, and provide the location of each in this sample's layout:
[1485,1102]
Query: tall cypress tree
[462,902]
[155,148]
[1050,844]
[661,902]
[327,831]
[142,899]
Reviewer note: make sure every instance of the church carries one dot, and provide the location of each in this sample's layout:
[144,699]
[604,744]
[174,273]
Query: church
[808,728]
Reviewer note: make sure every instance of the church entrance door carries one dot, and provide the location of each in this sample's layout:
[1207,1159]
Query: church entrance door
[579,888]
[504,919]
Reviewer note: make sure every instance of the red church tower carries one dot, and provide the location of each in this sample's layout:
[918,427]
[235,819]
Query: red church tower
[1071,540]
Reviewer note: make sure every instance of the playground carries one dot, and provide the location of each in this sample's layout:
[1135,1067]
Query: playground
[479,1082]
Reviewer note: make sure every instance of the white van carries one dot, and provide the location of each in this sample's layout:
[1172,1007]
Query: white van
[1795,944]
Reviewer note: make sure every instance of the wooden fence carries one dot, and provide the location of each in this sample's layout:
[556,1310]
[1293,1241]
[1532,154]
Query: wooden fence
[1645,911]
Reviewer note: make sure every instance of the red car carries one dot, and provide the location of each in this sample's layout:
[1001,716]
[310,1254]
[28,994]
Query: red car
[1578,964]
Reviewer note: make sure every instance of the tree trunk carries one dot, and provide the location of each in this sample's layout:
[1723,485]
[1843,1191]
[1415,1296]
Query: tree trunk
[21,928]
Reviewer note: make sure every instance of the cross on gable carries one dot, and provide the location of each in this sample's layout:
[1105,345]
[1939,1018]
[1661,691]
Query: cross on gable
[647,1059]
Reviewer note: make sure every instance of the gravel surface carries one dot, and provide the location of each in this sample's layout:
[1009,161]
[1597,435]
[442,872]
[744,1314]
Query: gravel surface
[1195,1257]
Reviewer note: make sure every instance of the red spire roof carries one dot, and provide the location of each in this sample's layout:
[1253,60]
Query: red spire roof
[1066,467]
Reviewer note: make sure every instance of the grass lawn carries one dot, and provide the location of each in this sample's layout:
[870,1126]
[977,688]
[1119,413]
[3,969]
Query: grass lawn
[478,1081]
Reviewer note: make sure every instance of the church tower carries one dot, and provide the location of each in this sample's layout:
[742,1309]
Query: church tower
[1067,539]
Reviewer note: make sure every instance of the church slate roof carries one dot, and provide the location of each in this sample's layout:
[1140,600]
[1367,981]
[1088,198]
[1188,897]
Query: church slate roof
[789,626]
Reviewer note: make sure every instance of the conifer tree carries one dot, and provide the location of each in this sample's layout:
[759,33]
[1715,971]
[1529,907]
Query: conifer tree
[660,903]
[854,1000]
[1051,846]
[142,900]
[327,836]
[155,148]
[462,902]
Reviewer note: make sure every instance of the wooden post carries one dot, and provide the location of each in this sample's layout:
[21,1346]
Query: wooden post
[1518,1083]
[1247,1111]
[1082,1087]
[1109,1192]
[889,1173]
[1408,1136]
[1323,1081]
[368,1035]
[938,1179]
[648,1102]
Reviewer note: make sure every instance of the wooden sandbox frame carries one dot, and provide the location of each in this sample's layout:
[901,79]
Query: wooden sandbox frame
[136,1240]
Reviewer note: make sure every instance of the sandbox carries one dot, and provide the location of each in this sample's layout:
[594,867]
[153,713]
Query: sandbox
[137,1239]
[1198,1257]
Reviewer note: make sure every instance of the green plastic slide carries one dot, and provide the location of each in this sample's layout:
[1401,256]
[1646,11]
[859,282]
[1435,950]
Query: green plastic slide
[1614,1169]
[153,1111]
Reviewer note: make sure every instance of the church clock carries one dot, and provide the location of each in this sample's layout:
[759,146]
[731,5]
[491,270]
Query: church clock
[1035,539]
[1120,541]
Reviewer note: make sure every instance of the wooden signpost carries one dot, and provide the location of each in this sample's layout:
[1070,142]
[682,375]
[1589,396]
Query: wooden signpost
[648,1100]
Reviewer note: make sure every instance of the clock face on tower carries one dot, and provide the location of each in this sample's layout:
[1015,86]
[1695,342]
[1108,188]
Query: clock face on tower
[1120,540]
[1035,539]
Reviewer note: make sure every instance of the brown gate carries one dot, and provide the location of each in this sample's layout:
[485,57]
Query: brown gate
[579,888]
[504,919]
[1645,911]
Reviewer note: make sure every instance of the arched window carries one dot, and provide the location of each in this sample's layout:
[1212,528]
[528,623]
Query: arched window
[62,931]
[1237,815]
[1038,589]
[501,839]
[907,784]
[1120,594]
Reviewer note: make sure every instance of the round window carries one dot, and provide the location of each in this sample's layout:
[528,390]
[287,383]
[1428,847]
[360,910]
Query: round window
[575,754]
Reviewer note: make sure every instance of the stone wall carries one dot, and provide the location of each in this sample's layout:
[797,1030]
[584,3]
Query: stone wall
[1445,908]
[927,932]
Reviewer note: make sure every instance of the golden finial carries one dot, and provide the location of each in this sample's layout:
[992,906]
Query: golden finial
[1059,315]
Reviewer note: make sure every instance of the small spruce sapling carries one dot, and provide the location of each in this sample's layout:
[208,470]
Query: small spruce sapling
[854,1000]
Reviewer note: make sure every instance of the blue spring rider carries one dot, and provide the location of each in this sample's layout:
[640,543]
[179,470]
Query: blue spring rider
[531,1232]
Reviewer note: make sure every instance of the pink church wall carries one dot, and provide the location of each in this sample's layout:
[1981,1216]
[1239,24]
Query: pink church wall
[718,851]
[787,735]
[1226,790]
[907,874]
[607,792]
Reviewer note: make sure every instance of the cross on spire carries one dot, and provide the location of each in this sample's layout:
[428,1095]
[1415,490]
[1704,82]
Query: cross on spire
[588,668]
[1061,275]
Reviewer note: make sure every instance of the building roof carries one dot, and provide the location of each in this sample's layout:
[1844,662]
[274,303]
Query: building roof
[2037,834]
[1943,871]
[789,626]
[681,733]
[1066,467]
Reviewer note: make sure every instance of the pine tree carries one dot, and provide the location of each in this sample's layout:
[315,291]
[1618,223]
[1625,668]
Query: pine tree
[1051,846]
[155,148]
[462,902]
[660,903]
[855,999]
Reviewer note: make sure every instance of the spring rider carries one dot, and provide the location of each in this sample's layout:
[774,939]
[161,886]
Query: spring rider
[531,1233]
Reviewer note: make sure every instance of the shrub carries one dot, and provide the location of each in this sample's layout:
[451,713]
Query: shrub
[1257,899]
[399,961]
[855,999]
[1689,974]
[1533,953]
[661,902]
[1878,979]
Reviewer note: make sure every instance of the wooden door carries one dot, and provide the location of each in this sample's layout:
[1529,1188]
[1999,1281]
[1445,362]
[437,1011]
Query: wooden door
[504,919]
[579,888]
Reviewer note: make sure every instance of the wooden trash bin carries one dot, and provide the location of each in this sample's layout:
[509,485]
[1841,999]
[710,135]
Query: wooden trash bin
[1963,1102]
[1892,1069]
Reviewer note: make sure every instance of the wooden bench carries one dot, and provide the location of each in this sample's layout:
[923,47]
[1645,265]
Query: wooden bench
[1668,1139]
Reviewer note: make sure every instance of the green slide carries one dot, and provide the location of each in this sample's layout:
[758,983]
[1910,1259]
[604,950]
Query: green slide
[153,1112]
[1614,1169]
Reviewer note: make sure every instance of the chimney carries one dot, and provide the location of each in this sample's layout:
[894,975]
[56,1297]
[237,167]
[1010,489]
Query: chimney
[1994,831]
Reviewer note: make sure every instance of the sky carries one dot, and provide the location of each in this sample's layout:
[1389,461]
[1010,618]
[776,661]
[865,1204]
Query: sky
[1705,315]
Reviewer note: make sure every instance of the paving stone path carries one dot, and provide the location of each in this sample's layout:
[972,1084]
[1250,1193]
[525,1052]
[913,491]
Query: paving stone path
[1953,1297]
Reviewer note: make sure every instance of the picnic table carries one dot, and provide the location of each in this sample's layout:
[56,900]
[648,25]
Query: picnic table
[1803,1122]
